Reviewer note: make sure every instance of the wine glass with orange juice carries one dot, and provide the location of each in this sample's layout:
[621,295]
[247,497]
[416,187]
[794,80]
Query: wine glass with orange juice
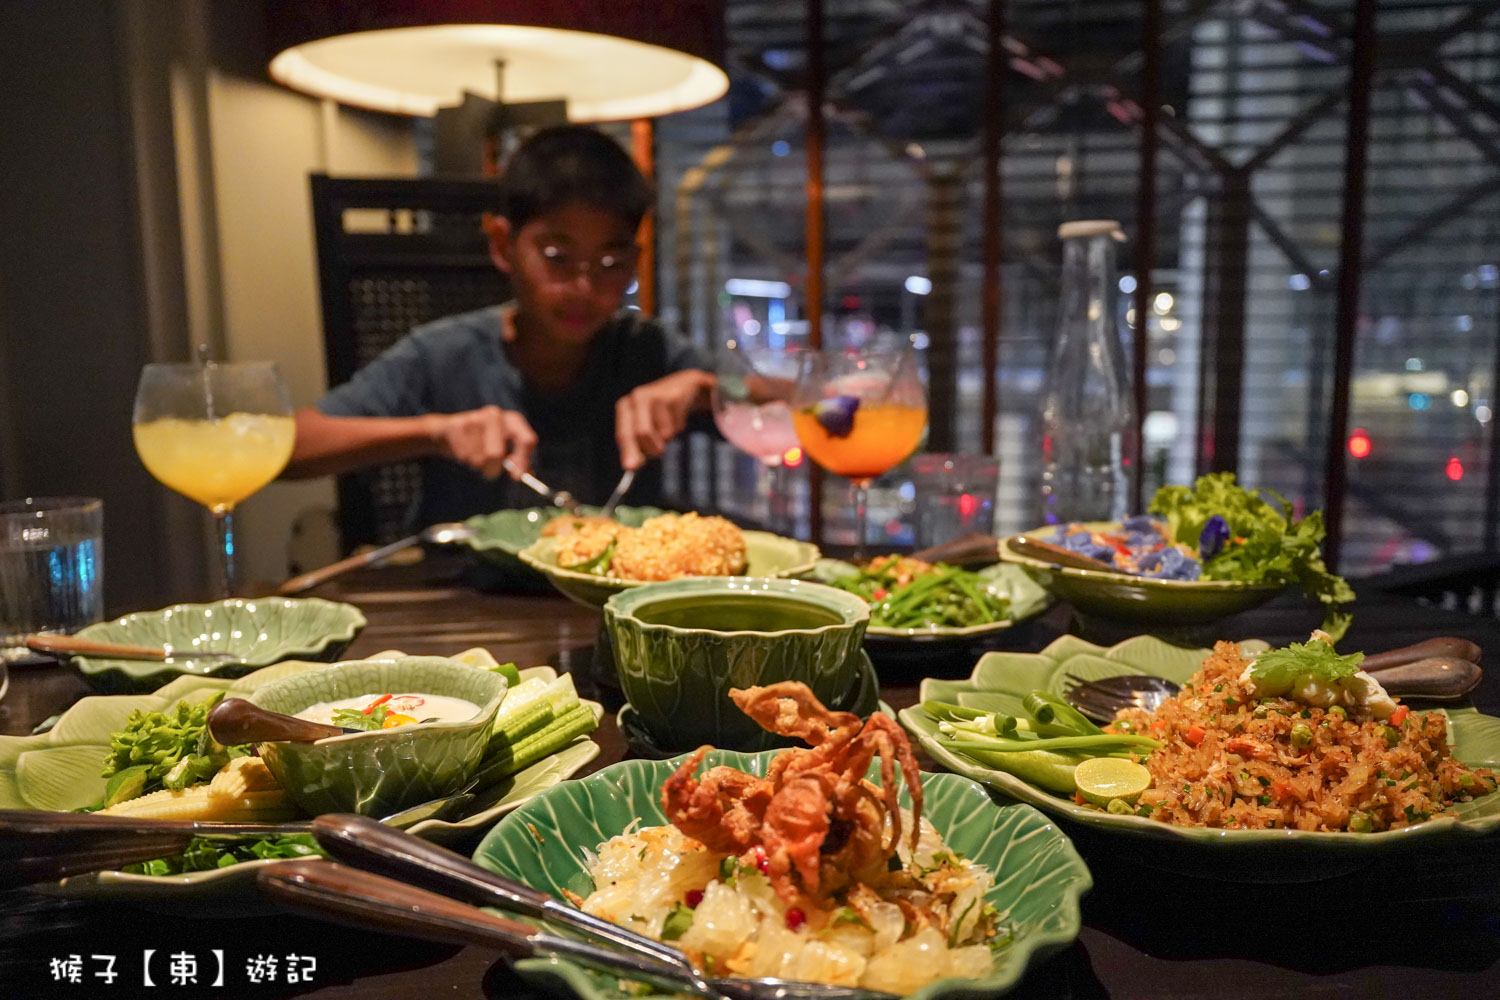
[859,414]
[216,433]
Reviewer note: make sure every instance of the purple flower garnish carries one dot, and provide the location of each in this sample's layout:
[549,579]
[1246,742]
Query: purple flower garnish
[836,414]
[1215,534]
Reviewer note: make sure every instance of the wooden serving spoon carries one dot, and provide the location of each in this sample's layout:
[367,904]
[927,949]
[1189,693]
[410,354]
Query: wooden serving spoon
[234,721]
[1034,548]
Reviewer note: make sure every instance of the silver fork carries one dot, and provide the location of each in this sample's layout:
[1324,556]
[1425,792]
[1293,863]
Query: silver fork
[376,848]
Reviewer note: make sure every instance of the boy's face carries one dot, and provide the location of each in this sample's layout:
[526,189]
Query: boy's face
[570,268]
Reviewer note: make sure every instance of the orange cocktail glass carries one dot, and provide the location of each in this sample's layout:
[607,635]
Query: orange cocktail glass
[859,415]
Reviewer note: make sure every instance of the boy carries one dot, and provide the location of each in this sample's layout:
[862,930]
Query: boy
[560,380]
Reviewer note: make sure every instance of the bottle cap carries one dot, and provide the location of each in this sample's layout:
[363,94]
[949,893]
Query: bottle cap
[1091,227]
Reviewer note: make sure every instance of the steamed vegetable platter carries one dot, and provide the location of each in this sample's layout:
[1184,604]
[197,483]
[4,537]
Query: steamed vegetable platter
[152,757]
[1288,749]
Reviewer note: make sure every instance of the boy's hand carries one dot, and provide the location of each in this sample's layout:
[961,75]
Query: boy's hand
[482,439]
[654,413]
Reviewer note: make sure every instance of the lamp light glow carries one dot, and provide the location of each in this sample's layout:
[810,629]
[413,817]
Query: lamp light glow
[612,62]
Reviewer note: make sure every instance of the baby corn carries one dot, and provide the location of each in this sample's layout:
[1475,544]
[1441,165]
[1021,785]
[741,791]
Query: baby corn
[242,792]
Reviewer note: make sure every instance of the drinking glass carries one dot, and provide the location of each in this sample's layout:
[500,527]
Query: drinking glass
[216,433]
[859,414]
[955,496]
[51,568]
[752,406]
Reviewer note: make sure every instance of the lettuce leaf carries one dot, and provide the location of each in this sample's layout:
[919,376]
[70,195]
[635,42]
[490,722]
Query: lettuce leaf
[1267,543]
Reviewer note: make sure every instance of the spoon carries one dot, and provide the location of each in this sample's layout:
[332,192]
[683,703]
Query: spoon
[234,721]
[445,533]
[72,645]
[361,899]
[364,843]
[1033,548]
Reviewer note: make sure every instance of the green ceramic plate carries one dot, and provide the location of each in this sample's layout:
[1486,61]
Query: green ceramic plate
[767,555]
[1001,680]
[499,536]
[1138,599]
[59,770]
[259,631]
[1027,600]
[1039,876]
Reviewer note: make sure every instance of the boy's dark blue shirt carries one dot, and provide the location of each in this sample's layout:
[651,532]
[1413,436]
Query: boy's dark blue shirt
[459,363]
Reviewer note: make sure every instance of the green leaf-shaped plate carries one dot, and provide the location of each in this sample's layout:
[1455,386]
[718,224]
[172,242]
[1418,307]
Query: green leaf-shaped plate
[1039,877]
[499,536]
[1027,600]
[766,554]
[59,769]
[1001,680]
[258,631]
[1139,600]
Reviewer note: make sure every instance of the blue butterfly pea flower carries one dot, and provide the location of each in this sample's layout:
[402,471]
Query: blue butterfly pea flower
[1215,533]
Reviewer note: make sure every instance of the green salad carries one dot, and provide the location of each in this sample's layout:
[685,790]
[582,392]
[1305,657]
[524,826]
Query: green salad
[1254,536]
[908,593]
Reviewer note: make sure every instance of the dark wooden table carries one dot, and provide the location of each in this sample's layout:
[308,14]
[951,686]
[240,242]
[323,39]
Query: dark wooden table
[1408,928]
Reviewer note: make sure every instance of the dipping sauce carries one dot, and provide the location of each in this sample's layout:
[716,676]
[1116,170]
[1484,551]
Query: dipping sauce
[737,613]
[404,709]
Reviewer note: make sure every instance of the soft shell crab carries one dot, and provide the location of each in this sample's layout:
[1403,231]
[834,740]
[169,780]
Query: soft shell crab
[813,824]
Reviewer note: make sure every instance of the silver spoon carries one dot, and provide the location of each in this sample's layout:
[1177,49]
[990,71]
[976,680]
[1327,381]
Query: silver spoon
[445,533]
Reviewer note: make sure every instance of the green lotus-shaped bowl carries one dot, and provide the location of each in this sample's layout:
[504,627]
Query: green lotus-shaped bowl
[497,537]
[1039,877]
[258,631]
[380,772]
[766,555]
[729,632]
[1140,600]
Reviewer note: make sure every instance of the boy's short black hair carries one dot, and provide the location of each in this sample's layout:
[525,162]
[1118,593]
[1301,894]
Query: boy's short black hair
[568,163]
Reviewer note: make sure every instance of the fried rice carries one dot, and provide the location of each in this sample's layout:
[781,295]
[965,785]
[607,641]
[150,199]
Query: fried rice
[663,548]
[1236,761]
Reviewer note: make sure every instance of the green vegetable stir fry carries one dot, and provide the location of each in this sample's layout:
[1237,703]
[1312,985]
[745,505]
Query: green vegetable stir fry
[909,593]
[207,853]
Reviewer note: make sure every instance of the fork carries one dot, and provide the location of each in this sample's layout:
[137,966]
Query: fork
[1434,670]
[363,899]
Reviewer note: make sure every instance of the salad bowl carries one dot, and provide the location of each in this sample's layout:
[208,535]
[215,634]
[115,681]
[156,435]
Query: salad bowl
[767,555]
[1001,680]
[1039,877]
[1138,600]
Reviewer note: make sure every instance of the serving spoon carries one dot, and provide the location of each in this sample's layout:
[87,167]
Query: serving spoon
[234,721]
[1431,670]
[366,900]
[445,533]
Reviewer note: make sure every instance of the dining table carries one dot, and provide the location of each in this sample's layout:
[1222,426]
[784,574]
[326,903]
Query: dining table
[1420,924]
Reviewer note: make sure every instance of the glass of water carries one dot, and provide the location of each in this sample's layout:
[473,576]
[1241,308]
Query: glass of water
[955,496]
[51,567]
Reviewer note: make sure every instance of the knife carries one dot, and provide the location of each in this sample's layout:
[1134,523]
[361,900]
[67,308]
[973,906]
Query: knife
[558,498]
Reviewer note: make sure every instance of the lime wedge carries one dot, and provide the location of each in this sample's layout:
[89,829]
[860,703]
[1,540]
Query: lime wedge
[1100,779]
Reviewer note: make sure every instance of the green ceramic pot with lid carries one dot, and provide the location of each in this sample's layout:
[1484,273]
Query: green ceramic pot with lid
[681,646]
[380,772]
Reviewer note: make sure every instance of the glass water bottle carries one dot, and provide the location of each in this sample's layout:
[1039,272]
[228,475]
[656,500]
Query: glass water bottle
[1088,409]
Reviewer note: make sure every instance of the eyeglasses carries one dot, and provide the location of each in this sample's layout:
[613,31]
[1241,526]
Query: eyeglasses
[615,266]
